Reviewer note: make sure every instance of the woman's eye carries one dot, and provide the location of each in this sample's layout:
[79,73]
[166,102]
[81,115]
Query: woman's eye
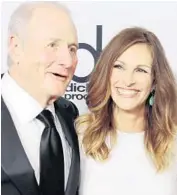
[118,66]
[141,70]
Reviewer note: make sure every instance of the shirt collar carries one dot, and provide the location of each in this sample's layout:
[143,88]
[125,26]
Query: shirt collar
[21,103]
[51,108]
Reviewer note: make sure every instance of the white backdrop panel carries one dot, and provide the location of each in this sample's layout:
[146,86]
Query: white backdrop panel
[111,17]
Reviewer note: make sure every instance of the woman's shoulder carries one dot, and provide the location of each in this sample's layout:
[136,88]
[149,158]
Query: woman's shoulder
[81,124]
[174,151]
[81,130]
[81,133]
[175,147]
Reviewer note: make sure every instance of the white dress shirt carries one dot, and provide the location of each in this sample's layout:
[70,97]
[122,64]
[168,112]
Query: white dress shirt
[129,171]
[24,109]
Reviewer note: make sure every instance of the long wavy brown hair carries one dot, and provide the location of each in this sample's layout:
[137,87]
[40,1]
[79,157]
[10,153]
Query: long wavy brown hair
[161,119]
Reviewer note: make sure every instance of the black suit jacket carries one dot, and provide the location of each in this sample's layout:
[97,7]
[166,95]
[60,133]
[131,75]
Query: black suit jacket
[17,174]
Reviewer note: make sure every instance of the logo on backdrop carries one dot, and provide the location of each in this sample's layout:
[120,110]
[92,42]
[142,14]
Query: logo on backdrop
[77,90]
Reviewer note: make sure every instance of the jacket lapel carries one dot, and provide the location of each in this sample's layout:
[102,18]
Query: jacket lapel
[67,125]
[13,157]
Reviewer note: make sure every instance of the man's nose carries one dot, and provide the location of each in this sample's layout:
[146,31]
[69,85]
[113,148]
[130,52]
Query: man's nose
[64,57]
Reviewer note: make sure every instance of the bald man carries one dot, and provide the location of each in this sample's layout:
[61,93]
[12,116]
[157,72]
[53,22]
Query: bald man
[40,153]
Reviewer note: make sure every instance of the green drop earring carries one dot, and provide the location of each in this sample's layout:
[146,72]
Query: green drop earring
[151,98]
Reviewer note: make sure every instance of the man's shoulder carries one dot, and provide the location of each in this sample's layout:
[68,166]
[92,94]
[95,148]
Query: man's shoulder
[69,106]
[64,103]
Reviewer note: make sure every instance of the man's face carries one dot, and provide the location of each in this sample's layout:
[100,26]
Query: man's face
[49,52]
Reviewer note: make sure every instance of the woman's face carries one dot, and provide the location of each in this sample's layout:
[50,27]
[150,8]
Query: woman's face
[131,80]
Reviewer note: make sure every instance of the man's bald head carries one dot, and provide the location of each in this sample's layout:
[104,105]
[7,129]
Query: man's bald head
[22,15]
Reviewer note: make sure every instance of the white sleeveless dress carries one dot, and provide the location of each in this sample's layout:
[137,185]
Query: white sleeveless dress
[128,171]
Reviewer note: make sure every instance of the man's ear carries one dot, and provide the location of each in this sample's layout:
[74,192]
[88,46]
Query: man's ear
[15,48]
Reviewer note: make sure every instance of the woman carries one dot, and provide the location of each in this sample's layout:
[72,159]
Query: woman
[128,139]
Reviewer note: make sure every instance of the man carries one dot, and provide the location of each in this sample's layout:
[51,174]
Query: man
[39,144]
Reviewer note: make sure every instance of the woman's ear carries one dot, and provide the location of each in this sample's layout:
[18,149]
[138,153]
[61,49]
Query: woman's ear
[153,87]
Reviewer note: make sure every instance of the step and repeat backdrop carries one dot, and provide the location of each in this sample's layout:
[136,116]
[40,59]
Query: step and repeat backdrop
[97,22]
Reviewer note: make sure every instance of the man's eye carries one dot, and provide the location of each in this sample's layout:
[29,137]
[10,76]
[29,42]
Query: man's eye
[73,50]
[52,44]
